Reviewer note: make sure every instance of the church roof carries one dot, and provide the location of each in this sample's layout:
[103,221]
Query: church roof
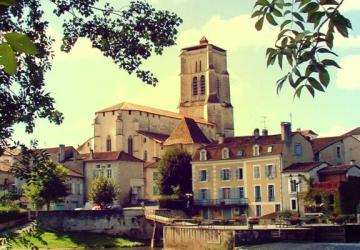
[155,136]
[156,111]
[110,156]
[186,132]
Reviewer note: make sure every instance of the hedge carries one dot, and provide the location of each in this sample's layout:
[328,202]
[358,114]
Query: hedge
[10,213]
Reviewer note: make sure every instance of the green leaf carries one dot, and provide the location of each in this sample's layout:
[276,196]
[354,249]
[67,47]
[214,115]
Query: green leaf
[328,62]
[315,84]
[256,13]
[8,2]
[311,90]
[276,12]
[21,43]
[7,59]
[325,50]
[324,77]
[342,29]
[271,19]
[286,22]
[259,24]
[298,91]
[262,2]
[310,7]
[298,16]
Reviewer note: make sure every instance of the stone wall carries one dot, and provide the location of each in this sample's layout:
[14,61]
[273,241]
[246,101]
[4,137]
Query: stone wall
[128,222]
[197,238]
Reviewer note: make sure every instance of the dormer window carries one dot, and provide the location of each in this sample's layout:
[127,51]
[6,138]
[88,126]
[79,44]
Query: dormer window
[256,150]
[225,153]
[269,149]
[240,152]
[203,155]
[298,149]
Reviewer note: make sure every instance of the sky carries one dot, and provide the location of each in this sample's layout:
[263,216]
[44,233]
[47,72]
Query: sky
[83,81]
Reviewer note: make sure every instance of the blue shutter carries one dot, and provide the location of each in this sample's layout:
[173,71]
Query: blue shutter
[229,174]
[221,175]
[237,173]
[220,194]
[208,194]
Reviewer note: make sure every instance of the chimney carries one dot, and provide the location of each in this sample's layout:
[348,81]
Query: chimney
[75,155]
[91,154]
[256,133]
[286,132]
[61,153]
[220,138]
[265,132]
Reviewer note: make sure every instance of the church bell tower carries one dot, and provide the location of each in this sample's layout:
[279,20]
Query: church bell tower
[205,88]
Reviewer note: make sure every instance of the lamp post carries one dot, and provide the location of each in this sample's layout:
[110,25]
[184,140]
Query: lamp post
[297,184]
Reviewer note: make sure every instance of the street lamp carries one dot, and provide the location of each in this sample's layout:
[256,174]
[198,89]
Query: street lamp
[297,184]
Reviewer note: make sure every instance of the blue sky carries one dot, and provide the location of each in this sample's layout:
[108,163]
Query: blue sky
[84,81]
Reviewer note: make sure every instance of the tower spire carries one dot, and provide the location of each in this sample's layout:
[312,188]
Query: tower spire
[203,40]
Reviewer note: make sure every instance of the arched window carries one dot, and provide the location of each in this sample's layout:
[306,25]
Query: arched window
[130,145]
[108,144]
[195,66]
[145,155]
[195,86]
[200,65]
[202,85]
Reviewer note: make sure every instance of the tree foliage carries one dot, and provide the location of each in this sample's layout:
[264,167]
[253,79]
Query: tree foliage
[305,39]
[175,172]
[47,186]
[103,191]
[128,36]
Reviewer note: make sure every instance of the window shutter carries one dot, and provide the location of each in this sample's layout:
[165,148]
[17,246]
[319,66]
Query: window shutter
[200,175]
[199,195]
[274,169]
[207,194]
[221,175]
[81,188]
[229,174]
[220,194]
[73,188]
[238,173]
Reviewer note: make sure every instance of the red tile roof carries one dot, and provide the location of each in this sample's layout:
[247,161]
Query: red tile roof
[338,169]
[303,167]
[73,173]
[244,144]
[161,112]
[319,144]
[155,136]
[110,156]
[328,185]
[355,131]
[186,132]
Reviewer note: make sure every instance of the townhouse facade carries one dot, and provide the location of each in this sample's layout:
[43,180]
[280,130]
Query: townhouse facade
[243,175]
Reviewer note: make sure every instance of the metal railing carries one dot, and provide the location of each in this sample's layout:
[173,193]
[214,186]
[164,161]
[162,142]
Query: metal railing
[221,202]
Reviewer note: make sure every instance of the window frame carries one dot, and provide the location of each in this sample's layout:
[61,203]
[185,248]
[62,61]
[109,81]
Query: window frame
[259,172]
[257,198]
[273,192]
[256,150]
[206,175]
[222,174]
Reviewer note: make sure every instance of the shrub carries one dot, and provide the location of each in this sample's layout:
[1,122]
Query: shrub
[10,213]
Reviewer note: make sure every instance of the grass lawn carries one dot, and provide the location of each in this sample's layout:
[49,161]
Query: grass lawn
[52,240]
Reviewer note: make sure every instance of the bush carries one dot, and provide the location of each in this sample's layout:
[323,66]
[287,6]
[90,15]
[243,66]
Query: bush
[172,202]
[10,213]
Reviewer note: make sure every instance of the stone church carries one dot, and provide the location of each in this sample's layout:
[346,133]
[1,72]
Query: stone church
[205,114]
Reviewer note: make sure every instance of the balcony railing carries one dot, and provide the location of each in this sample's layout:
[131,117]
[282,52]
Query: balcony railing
[221,202]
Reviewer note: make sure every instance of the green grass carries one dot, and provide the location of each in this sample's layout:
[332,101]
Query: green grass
[52,240]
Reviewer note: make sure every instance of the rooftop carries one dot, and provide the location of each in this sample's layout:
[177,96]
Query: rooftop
[338,169]
[161,112]
[186,132]
[109,156]
[302,167]
[153,135]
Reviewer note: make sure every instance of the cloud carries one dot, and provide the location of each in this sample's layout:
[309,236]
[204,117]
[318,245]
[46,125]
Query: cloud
[232,34]
[347,77]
